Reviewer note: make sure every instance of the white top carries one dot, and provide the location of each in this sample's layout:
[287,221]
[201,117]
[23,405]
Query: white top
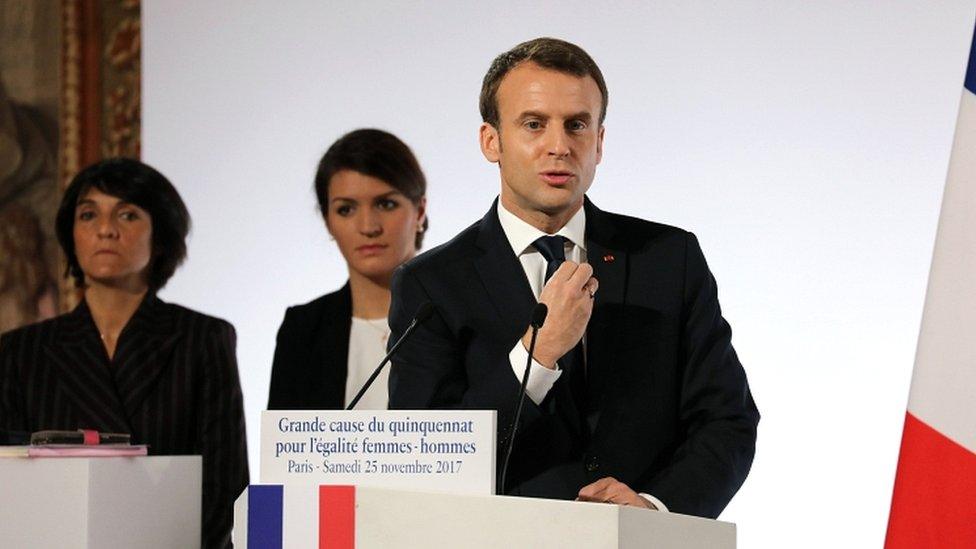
[367,347]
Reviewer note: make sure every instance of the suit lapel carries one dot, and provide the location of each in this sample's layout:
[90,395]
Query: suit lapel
[609,258]
[83,373]
[503,277]
[144,351]
[508,289]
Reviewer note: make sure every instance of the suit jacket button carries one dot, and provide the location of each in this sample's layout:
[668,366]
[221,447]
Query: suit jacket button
[592,464]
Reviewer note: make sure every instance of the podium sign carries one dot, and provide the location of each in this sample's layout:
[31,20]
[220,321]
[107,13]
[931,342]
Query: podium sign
[430,450]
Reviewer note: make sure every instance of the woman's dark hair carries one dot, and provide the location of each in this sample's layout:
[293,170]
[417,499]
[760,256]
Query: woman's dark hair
[136,183]
[378,154]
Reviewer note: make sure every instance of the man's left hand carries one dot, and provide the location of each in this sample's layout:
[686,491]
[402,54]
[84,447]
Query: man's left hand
[611,490]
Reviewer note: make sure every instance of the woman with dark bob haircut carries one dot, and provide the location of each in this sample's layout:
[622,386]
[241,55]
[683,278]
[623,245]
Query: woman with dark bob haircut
[123,360]
[372,195]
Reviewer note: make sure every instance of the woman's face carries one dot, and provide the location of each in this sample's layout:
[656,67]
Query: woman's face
[374,224]
[113,240]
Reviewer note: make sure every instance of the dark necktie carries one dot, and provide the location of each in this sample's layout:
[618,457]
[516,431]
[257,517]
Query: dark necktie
[553,248]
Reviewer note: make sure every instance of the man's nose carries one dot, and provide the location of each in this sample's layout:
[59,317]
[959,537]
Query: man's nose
[558,142]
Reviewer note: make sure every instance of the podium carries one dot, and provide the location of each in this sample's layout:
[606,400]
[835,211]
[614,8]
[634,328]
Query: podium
[344,517]
[150,502]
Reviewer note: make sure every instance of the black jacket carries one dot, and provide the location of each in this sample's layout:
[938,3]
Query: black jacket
[172,384]
[674,417]
[309,370]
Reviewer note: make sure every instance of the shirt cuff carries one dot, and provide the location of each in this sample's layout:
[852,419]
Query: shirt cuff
[655,502]
[541,379]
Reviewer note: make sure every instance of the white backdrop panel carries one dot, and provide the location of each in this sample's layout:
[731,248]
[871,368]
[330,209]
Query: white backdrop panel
[805,144]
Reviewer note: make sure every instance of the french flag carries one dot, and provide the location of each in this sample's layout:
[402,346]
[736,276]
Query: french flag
[272,516]
[934,500]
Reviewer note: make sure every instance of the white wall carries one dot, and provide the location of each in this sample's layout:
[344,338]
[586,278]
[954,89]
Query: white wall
[805,143]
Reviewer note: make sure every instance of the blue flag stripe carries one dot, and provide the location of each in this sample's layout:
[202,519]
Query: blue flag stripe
[971,69]
[264,516]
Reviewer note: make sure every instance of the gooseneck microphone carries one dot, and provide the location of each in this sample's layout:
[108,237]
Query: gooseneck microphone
[423,313]
[538,318]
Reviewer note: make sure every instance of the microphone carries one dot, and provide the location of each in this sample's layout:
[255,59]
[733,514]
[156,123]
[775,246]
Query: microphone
[538,318]
[424,312]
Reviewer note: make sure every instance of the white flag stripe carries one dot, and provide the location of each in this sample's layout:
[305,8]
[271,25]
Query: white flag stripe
[943,392]
[299,515]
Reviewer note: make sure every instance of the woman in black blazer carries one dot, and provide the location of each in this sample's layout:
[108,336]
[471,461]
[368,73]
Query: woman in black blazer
[371,192]
[123,360]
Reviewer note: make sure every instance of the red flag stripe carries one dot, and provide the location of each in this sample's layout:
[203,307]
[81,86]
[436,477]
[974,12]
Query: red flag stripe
[934,503]
[337,517]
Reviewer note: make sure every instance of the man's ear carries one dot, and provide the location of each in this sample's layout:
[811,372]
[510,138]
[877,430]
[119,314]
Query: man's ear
[490,140]
[599,144]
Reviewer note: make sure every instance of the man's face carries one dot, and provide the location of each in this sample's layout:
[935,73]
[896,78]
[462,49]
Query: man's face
[548,141]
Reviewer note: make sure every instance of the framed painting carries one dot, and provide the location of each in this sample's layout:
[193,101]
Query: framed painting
[69,96]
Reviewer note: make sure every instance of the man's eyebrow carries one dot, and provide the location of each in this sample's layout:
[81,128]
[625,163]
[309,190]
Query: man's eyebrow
[582,115]
[585,116]
[533,114]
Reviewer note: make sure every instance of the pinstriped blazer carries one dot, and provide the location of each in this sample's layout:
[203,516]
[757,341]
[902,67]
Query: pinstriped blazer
[173,384]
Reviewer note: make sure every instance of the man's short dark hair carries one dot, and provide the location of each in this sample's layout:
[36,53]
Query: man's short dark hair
[548,53]
[136,183]
[378,154]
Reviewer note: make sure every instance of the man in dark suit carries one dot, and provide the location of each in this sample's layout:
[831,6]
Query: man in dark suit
[636,396]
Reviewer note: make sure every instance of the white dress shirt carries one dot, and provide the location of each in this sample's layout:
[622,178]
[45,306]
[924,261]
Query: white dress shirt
[521,235]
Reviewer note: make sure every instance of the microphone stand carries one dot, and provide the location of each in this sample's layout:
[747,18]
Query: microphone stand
[538,318]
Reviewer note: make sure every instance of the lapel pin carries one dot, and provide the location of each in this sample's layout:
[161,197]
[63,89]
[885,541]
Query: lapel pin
[609,258]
